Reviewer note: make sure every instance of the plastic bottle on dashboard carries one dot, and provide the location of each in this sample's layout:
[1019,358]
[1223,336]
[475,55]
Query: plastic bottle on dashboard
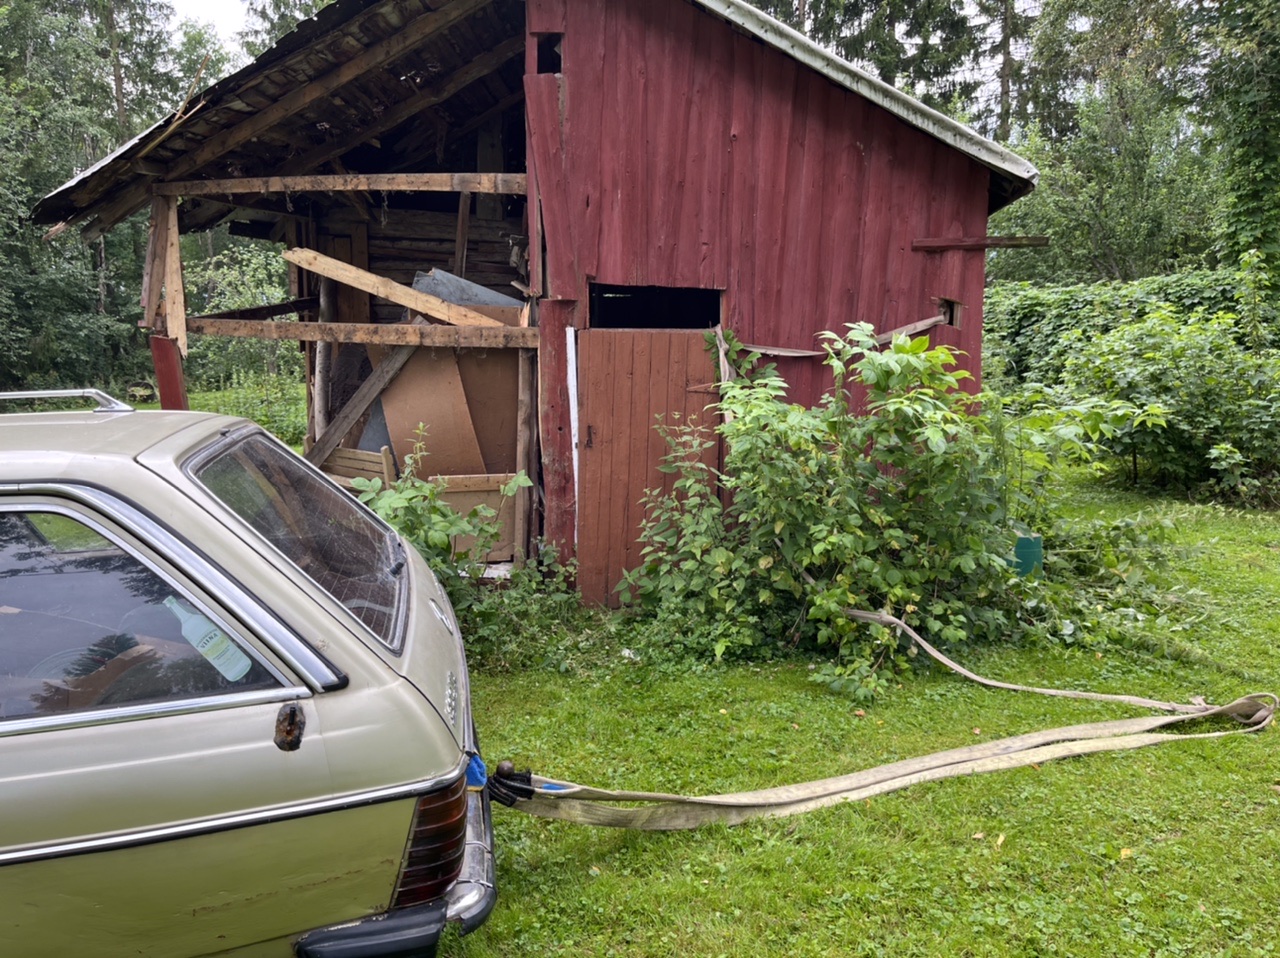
[211,642]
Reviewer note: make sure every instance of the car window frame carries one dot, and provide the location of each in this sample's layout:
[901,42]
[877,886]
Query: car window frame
[191,465]
[186,583]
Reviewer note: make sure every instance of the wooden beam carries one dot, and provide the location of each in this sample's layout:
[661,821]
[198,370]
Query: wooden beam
[439,337]
[358,404]
[110,211]
[508,183]
[424,99]
[320,385]
[911,329]
[306,305]
[387,289]
[979,242]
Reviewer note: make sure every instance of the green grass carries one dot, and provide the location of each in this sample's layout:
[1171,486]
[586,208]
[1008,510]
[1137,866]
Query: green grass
[1160,852]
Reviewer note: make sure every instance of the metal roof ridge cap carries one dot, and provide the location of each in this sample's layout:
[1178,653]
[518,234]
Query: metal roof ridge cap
[923,117]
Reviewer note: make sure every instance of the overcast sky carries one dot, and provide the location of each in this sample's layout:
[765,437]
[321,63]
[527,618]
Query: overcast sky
[226,15]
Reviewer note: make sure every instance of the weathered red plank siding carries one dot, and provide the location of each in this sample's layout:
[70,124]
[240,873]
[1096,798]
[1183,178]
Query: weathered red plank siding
[721,162]
[676,151]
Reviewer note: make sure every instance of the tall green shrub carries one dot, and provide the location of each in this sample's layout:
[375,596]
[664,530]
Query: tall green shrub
[1220,395]
[908,502]
[1031,331]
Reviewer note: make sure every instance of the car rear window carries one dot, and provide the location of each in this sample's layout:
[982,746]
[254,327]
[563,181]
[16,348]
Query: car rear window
[316,526]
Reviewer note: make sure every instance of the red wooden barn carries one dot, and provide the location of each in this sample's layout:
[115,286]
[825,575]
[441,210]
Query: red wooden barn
[632,172]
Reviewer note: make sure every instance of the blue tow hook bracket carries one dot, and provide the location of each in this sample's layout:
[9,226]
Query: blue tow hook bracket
[477,774]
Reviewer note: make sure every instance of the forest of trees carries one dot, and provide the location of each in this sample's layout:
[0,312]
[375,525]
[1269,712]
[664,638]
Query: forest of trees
[1155,124]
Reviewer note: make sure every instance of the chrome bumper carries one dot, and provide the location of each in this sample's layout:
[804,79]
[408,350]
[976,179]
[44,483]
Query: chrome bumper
[472,896]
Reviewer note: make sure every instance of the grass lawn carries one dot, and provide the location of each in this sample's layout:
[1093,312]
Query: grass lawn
[1158,852]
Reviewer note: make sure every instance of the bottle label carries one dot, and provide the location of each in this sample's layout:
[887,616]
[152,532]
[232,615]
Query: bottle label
[211,642]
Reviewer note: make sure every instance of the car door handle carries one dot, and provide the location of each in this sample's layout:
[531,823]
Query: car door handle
[290,721]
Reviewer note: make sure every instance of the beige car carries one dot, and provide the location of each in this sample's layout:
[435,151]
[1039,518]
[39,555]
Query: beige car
[234,713]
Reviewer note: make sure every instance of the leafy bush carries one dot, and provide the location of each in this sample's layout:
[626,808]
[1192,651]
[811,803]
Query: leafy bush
[911,508]
[243,275]
[529,617]
[276,403]
[1221,401]
[1031,331]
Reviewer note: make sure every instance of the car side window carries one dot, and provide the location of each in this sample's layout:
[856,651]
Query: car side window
[86,624]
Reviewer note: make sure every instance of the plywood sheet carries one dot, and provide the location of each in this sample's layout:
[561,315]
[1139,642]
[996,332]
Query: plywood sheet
[464,493]
[429,391]
[490,380]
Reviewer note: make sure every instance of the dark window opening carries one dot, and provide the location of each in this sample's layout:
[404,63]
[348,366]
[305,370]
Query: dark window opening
[549,53]
[951,310]
[653,307]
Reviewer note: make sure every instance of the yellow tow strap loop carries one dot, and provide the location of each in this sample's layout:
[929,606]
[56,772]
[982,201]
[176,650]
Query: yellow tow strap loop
[567,801]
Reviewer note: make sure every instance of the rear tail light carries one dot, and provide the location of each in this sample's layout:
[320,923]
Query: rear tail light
[433,857]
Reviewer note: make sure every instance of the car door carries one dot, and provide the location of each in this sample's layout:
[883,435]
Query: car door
[164,785]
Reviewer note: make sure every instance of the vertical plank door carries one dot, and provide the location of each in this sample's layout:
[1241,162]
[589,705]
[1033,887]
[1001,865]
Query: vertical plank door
[628,381]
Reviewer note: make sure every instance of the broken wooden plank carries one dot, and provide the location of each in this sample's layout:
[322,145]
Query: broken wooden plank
[441,337]
[308,304]
[515,184]
[387,289]
[358,404]
[153,266]
[911,329]
[979,242]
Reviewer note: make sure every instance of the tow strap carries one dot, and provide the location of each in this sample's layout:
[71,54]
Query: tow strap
[657,811]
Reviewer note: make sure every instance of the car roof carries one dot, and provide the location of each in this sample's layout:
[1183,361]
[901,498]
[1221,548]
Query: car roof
[95,435]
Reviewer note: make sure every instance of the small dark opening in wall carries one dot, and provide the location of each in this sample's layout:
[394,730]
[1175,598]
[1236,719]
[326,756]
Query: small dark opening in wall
[653,307]
[952,310]
[549,52]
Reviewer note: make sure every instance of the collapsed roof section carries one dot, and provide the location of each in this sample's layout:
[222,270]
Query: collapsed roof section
[385,85]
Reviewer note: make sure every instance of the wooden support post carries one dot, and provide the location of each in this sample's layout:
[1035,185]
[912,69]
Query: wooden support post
[459,268]
[168,365]
[526,446]
[153,267]
[559,523]
[324,354]
[175,297]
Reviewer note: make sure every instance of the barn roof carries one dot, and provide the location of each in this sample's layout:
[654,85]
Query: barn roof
[357,80]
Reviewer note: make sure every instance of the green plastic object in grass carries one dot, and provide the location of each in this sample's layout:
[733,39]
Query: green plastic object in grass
[1028,555]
